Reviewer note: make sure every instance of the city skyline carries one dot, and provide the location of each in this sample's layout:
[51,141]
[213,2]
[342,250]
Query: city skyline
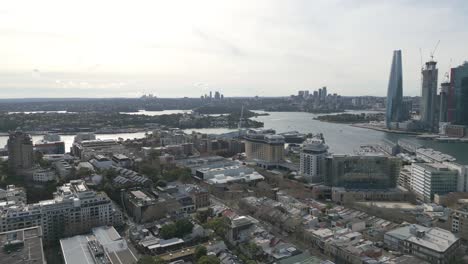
[265,48]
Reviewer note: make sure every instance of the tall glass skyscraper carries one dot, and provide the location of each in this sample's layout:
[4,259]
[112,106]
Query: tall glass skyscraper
[395,91]
[459,78]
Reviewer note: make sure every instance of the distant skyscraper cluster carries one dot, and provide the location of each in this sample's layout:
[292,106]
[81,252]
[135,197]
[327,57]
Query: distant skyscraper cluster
[448,108]
[217,96]
[320,99]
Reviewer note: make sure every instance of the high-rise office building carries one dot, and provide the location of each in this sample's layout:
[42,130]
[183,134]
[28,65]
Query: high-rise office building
[324,93]
[361,172]
[312,159]
[217,95]
[459,78]
[443,105]
[20,151]
[429,115]
[395,91]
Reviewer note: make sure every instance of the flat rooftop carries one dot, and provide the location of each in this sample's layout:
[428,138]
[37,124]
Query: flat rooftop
[26,246]
[75,249]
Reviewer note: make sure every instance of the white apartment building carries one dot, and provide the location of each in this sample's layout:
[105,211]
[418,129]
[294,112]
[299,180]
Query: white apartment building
[74,209]
[312,155]
[428,179]
[44,175]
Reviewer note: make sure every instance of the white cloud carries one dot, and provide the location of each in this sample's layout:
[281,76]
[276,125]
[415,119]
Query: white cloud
[241,47]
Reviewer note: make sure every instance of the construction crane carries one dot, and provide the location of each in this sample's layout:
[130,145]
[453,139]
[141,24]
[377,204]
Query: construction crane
[434,50]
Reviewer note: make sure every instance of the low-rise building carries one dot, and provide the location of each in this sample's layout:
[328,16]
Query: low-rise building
[13,194]
[428,179]
[103,246]
[101,162]
[434,245]
[121,160]
[87,149]
[22,246]
[63,168]
[145,207]
[228,174]
[44,175]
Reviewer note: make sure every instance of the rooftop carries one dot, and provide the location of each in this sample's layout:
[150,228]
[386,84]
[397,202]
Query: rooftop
[434,238]
[25,246]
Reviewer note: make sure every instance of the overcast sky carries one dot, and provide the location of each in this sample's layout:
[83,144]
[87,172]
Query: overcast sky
[239,47]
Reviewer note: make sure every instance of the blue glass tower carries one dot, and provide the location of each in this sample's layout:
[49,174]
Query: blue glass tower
[395,91]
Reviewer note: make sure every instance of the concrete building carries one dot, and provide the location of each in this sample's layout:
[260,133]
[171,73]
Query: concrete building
[101,162]
[63,168]
[312,158]
[103,246]
[343,196]
[22,246]
[44,175]
[428,179]
[462,181]
[395,91]
[87,149]
[13,194]
[228,174]
[264,147]
[434,245]
[74,209]
[458,221]
[429,98]
[361,172]
[50,147]
[144,207]
[121,160]
[20,152]
[404,179]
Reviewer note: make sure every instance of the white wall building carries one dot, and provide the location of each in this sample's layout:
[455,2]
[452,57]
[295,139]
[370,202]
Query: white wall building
[312,155]
[44,175]
[428,179]
[74,209]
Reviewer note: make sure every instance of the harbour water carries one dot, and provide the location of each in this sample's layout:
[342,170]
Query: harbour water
[342,138]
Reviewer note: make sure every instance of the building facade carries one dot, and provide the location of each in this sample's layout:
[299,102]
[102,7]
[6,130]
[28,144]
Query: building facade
[312,159]
[429,102]
[361,172]
[264,147]
[459,81]
[20,151]
[434,245]
[75,209]
[428,179]
[395,91]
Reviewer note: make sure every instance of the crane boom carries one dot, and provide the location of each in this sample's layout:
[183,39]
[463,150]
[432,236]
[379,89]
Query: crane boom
[434,50]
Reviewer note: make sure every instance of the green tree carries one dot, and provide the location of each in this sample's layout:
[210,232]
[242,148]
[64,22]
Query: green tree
[146,260]
[200,251]
[203,214]
[220,225]
[208,260]
[178,229]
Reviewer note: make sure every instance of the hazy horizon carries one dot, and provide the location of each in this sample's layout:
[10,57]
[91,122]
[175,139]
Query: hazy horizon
[269,48]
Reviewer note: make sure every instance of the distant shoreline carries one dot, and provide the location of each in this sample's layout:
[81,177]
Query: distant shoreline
[361,125]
